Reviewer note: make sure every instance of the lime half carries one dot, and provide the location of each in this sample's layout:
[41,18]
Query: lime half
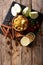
[33,15]
[26,11]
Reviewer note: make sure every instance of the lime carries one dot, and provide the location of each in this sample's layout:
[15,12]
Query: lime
[13,12]
[26,11]
[33,15]
[16,9]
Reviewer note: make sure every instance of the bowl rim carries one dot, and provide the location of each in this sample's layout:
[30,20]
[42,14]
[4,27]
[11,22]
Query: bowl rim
[13,22]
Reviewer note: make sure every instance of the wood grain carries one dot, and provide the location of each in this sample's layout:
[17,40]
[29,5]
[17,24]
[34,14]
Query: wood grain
[37,50]
[37,5]
[1,11]
[19,55]
[17,1]
[0,51]
[26,56]
[16,53]
[5,49]
[26,3]
[1,19]
[6,6]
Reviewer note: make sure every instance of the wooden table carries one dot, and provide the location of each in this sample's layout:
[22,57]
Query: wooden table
[12,54]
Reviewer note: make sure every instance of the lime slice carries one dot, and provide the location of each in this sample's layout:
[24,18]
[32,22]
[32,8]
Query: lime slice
[13,12]
[25,41]
[26,11]
[17,8]
[33,15]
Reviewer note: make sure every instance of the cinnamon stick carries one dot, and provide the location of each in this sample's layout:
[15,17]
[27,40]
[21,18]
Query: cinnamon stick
[5,26]
[3,31]
[13,33]
[7,32]
[10,35]
[17,34]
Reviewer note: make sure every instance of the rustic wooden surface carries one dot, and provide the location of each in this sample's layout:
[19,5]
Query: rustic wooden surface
[19,55]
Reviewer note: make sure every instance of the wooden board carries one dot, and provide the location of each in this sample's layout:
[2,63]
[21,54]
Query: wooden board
[19,55]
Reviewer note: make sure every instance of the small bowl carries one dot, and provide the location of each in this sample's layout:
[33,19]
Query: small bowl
[14,25]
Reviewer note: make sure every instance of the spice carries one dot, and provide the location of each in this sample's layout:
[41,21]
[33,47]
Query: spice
[8,42]
[13,32]
[2,25]
[6,30]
